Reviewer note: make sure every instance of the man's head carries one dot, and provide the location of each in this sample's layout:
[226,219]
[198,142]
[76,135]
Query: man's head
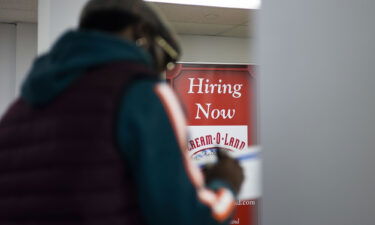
[135,21]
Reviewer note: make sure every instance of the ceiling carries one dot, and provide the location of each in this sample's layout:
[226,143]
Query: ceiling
[186,19]
[203,20]
[12,11]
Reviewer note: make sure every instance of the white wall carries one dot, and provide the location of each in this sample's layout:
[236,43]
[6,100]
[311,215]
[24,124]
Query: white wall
[7,64]
[55,17]
[317,88]
[213,49]
[26,50]
[18,48]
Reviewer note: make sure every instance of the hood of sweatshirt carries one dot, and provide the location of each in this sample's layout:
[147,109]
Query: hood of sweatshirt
[70,57]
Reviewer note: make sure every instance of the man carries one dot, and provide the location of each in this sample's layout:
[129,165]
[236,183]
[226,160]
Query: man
[97,138]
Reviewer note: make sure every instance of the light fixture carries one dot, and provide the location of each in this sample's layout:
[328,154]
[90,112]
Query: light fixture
[241,4]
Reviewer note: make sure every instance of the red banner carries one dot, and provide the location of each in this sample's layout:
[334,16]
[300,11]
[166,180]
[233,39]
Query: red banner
[219,102]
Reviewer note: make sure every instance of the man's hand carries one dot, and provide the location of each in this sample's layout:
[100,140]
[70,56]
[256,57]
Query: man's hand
[226,169]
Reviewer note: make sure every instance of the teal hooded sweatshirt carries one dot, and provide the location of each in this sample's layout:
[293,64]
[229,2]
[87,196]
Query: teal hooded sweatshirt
[144,132]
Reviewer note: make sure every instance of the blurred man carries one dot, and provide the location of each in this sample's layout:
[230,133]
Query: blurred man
[97,138]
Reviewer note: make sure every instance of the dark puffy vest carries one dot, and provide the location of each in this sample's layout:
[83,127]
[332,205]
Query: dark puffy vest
[60,164]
